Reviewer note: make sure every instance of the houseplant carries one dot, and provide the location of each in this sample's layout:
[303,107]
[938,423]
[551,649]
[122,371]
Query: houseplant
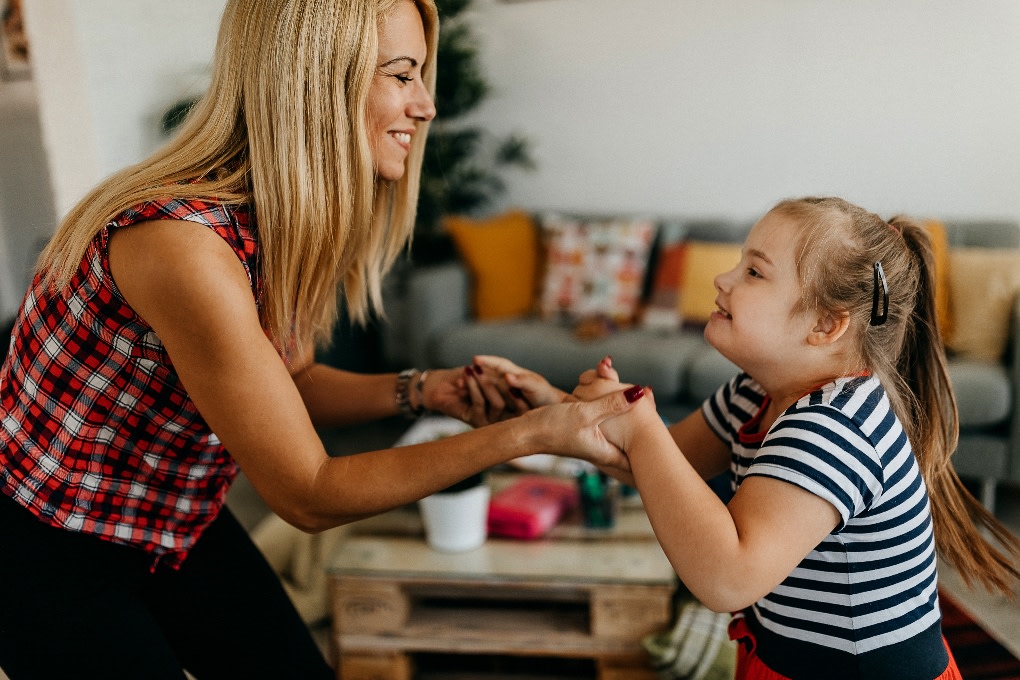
[464,162]
[454,518]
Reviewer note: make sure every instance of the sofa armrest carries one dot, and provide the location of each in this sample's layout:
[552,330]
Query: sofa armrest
[1013,367]
[437,297]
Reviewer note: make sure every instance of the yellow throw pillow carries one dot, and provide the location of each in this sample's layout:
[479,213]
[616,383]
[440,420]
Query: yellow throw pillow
[501,254]
[703,261]
[983,283]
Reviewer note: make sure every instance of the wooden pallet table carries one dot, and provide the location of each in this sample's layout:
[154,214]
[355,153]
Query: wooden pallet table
[578,594]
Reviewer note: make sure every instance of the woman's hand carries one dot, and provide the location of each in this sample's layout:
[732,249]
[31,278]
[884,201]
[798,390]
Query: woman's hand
[527,389]
[497,389]
[575,428]
[477,395]
[604,379]
[445,391]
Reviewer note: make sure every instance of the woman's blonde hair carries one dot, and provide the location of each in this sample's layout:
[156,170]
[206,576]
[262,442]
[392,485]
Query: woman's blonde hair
[283,128]
[839,247]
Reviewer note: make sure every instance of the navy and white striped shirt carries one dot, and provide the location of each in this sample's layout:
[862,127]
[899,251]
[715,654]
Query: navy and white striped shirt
[864,602]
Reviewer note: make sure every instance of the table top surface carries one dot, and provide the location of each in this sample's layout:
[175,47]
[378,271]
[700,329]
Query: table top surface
[393,544]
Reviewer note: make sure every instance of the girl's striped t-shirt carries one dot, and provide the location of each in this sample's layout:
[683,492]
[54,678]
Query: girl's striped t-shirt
[864,602]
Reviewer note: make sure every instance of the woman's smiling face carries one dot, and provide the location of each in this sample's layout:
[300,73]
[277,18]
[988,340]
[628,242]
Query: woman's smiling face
[398,99]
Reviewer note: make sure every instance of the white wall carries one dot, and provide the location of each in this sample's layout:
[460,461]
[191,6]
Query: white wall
[26,204]
[65,111]
[103,72]
[106,71]
[661,106]
[724,107]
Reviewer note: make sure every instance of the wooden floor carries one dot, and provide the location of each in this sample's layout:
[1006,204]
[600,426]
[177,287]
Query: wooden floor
[996,614]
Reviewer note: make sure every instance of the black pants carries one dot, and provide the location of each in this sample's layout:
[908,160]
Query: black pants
[74,606]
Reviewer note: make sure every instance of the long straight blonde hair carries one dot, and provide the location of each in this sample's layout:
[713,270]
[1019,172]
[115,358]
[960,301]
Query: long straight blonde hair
[283,129]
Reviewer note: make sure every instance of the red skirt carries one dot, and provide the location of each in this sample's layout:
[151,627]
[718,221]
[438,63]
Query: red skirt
[750,667]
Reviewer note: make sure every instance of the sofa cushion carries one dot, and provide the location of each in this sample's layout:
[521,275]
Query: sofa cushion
[703,261]
[982,456]
[594,267]
[940,254]
[983,283]
[983,393]
[643,357]
[706,373]
[501,253]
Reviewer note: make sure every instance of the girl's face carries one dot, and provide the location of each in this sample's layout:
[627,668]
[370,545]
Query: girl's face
[754,325]
[397,98]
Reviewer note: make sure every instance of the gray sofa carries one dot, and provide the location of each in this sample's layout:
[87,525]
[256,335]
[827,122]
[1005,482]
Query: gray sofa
[430,325]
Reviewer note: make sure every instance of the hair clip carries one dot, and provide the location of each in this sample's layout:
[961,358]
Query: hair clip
[879,318]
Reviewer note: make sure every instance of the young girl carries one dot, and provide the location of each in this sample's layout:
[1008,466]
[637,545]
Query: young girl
[838,435]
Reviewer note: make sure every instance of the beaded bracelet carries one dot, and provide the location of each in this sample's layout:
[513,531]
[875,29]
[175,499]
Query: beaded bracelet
[403,394]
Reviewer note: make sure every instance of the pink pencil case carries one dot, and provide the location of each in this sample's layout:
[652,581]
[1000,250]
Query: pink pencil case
[531,506]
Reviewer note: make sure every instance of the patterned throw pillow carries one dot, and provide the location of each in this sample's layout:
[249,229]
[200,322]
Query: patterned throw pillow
[594,268]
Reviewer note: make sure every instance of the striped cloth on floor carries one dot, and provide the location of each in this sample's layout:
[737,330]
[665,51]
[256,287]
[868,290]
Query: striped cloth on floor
[696,648]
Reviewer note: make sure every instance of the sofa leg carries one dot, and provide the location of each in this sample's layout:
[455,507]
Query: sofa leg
[988,485]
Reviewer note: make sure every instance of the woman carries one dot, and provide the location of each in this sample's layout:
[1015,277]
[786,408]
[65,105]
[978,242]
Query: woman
[168,337]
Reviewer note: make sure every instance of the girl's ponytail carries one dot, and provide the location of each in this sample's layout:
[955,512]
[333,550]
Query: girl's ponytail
[933,427]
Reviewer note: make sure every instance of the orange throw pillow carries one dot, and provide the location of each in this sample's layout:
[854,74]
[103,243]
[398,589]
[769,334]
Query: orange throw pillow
[703,261]
[501,253]
[940,250]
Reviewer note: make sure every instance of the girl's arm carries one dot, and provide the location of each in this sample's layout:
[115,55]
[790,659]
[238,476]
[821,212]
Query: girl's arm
[189,286]
[705,451]
[729,556]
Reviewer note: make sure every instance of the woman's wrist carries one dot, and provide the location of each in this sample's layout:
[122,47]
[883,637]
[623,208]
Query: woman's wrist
[406,393]
[418,395]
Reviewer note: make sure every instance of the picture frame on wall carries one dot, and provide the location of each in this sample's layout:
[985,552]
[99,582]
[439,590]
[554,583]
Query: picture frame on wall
[14,54]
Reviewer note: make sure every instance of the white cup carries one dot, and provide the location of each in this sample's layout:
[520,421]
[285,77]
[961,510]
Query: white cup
[457,521]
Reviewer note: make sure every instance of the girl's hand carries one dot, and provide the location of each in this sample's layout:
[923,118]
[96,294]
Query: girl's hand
[598,381]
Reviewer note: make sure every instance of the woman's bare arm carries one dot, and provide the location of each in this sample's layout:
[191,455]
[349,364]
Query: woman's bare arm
[186,283]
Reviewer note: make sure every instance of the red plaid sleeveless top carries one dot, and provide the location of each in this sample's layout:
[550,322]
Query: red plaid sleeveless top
[97,434]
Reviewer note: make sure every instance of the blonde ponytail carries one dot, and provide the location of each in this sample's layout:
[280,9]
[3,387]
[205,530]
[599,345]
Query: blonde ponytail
[960,521]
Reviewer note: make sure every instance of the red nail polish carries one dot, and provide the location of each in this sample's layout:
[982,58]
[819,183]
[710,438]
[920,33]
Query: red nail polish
[634,393]
[478,369]
[468,370]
